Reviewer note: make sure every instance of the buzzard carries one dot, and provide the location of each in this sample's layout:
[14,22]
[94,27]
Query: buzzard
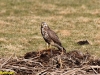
[50,37]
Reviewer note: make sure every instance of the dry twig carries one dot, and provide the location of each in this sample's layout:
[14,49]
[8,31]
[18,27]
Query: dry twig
[7,60]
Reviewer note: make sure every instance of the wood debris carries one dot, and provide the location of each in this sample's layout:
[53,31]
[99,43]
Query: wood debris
[45,63]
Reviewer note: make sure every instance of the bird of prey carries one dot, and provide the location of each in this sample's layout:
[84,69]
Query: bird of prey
[50,37]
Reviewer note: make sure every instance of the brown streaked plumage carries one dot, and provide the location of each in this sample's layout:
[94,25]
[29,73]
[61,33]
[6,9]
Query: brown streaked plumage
[50,37]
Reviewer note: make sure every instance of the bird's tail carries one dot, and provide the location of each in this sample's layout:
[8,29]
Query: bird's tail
[62,48]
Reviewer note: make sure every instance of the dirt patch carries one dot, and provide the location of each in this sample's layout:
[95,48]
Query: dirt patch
[52,62]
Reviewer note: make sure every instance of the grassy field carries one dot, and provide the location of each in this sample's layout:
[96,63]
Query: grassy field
[72,20]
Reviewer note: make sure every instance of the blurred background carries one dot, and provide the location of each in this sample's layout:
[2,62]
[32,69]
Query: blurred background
[72,20]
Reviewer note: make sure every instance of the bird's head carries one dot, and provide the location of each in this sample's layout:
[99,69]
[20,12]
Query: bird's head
[44,25]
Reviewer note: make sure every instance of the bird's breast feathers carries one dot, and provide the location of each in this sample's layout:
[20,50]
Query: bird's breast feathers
[44,33]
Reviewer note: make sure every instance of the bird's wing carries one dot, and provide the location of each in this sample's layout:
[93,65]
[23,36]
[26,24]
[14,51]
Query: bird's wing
[54,37]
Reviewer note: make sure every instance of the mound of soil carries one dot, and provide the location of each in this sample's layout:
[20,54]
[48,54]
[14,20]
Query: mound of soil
[51,62]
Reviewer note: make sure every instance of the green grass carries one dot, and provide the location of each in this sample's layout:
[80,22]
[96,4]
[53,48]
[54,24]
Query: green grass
[72,20]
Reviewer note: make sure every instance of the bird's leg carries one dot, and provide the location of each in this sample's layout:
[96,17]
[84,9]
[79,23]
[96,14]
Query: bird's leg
[51,44]
[47,47]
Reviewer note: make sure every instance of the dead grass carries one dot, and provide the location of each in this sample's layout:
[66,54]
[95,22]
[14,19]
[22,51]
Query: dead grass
[71,20]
